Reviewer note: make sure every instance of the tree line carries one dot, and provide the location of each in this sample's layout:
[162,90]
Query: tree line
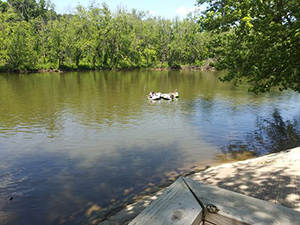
[255,41]
[33,36]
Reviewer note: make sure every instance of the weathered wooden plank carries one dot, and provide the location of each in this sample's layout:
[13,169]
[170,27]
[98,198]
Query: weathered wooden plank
[235,208]
[176,205]
[218,219]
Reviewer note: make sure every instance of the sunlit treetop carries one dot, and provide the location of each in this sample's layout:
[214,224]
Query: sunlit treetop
[258,41]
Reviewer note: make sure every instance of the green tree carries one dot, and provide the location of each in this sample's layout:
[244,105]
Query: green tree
[20,47]
[33,36]
[3,6]
[258,41]
[55,45]
[163,41]
[25,8]
[17,42]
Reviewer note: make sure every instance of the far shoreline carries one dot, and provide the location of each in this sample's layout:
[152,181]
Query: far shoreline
[193,68]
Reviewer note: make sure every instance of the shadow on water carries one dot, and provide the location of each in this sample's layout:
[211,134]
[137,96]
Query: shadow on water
[79,188]
[270,136]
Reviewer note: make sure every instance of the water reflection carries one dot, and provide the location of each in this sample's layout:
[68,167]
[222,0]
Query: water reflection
[272,134]
[72,143]
[275,134]
[77,185]
[31,103]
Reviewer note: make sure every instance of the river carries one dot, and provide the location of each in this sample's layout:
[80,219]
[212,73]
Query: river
[72,143]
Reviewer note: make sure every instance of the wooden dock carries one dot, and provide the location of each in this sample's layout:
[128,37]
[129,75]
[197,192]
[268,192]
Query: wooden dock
[274,177]
[271,178]
[189,202]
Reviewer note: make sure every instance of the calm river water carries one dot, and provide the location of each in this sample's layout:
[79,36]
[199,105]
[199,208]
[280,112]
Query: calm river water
[74,142]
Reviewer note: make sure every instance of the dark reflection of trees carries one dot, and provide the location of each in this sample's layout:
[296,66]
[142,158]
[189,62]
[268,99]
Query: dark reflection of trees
[277,135]
[271,136]
[235,150]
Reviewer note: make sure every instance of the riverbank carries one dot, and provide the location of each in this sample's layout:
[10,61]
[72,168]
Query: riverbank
[206,67]
[274,178]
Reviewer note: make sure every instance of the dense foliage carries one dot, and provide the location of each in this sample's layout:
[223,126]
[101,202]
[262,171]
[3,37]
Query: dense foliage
[34,36]
[256,40]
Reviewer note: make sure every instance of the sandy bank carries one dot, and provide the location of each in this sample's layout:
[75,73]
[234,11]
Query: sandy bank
[274,178]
